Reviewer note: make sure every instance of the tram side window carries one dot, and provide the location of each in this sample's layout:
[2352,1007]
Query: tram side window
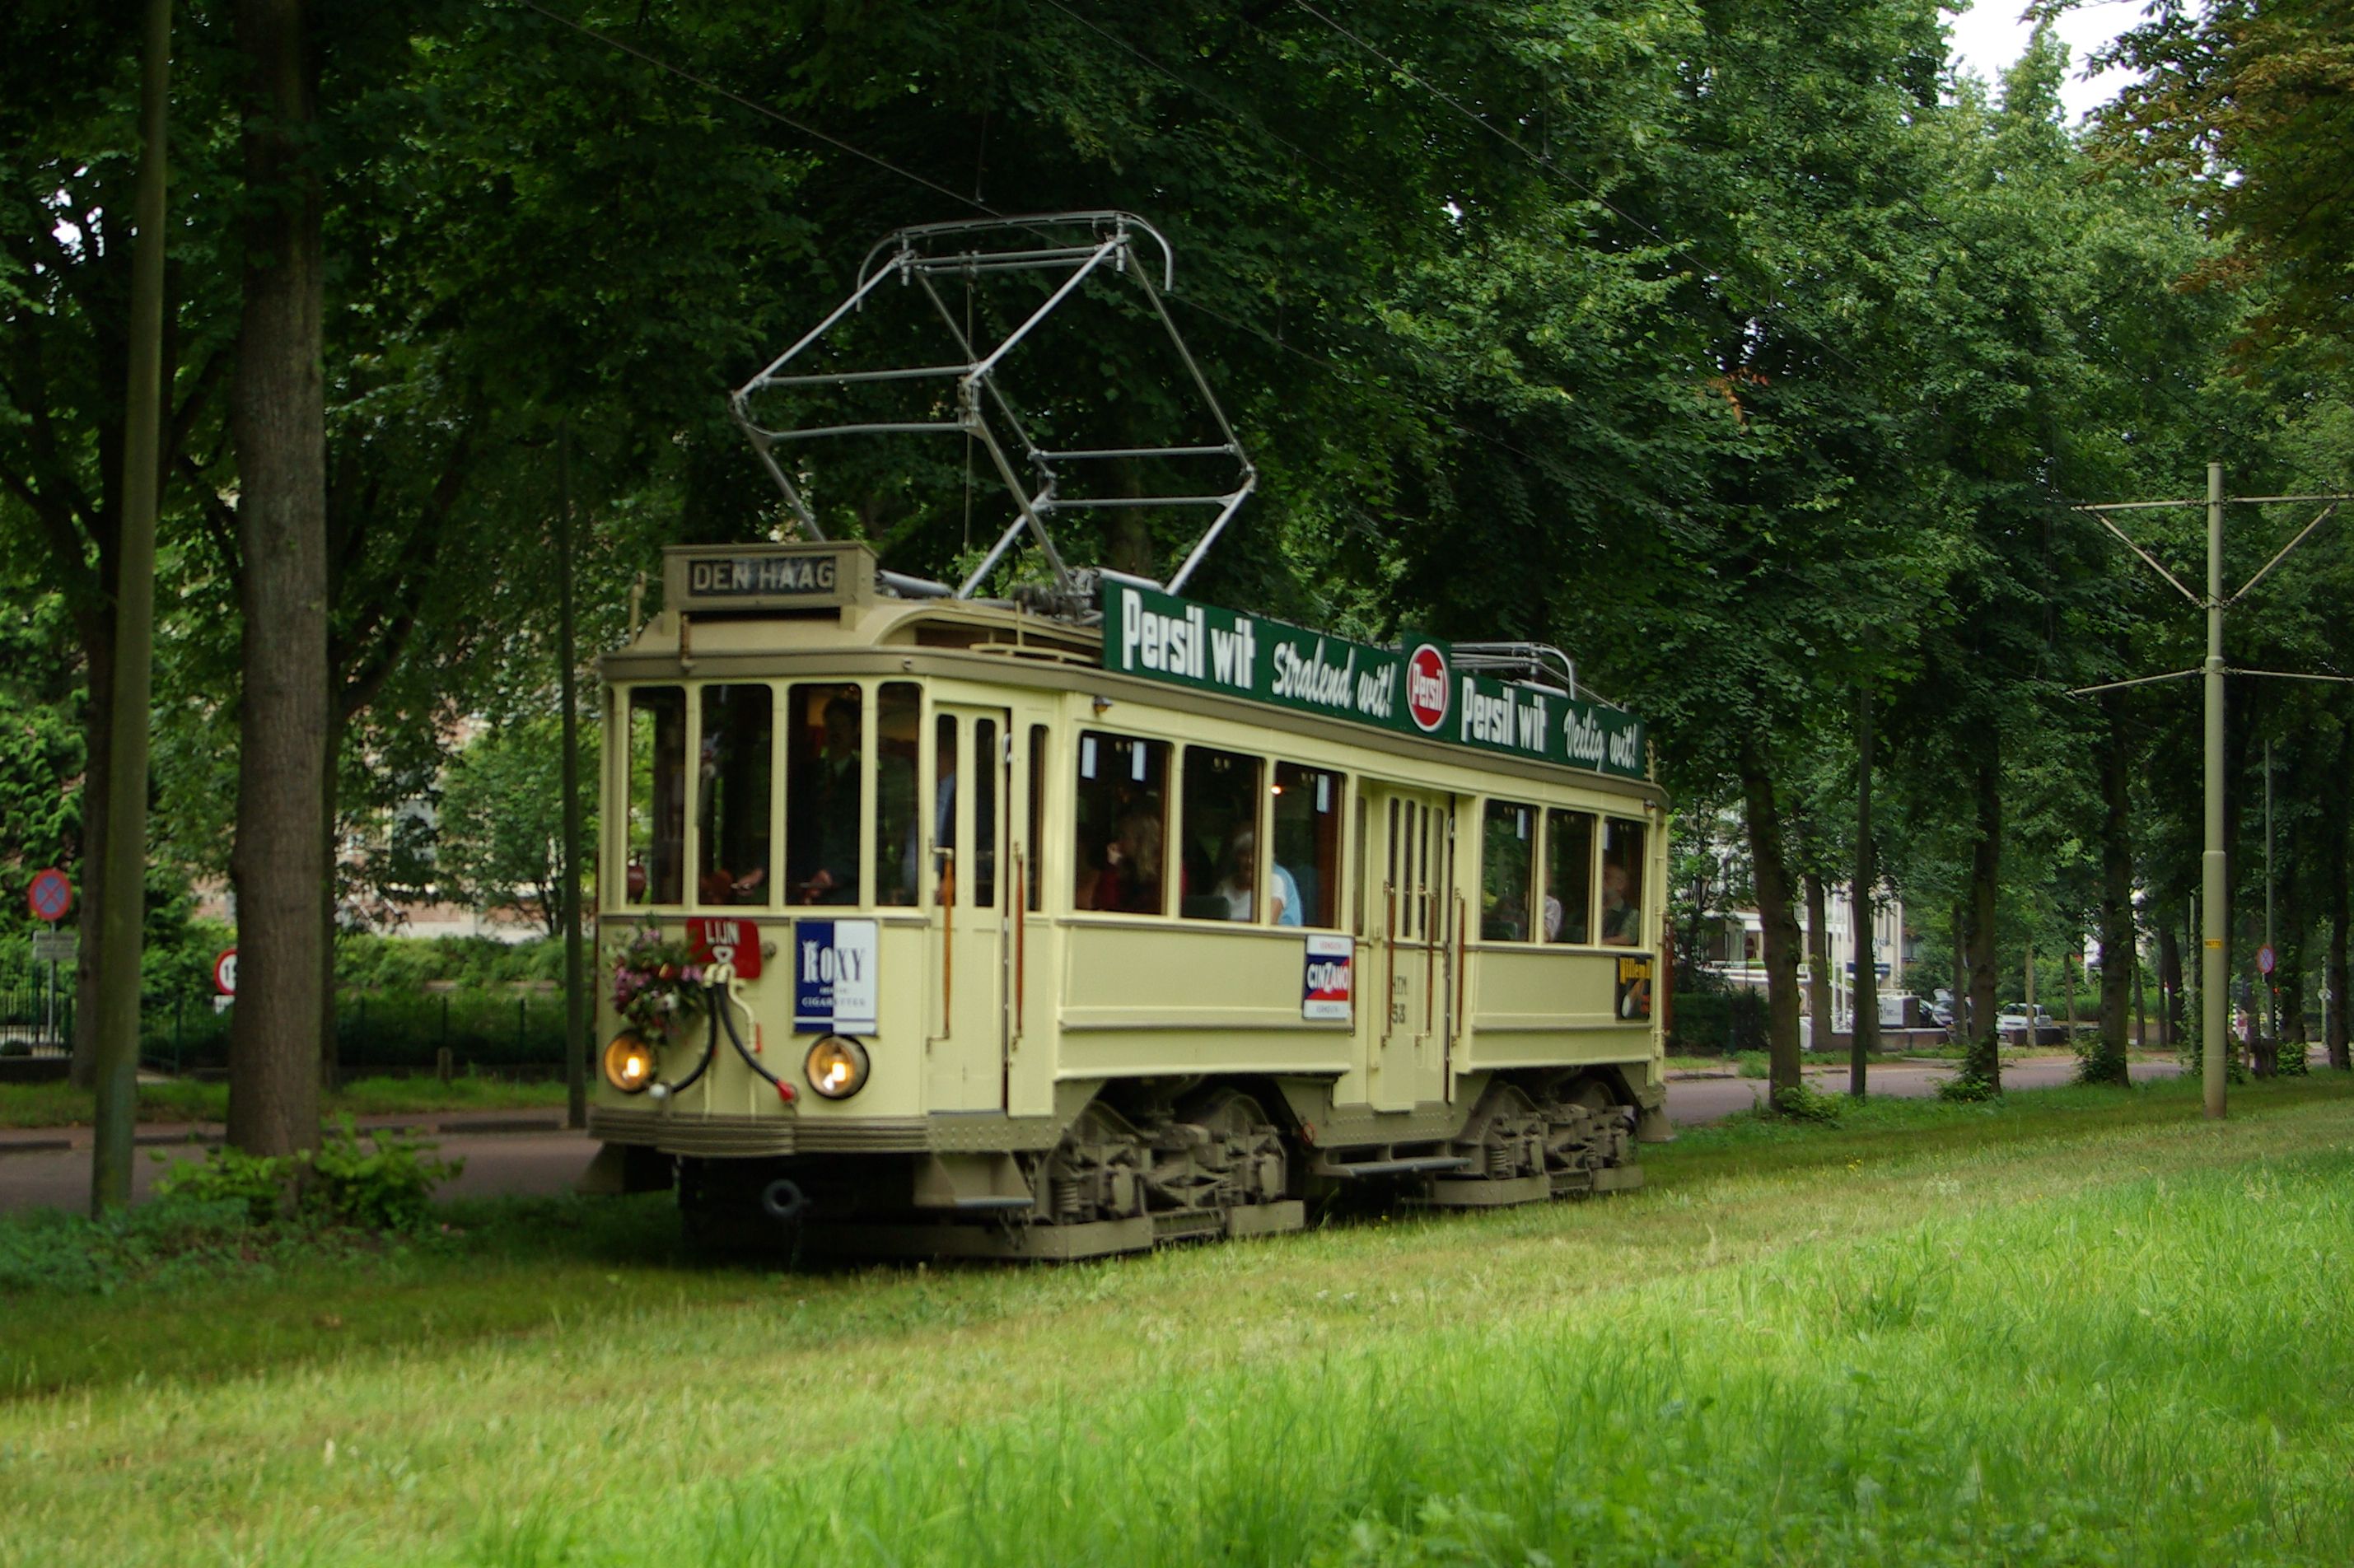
[827,792]
[988,763]
[1304,877]
[656,853]
[899,810]
[1034,863]
[1622,883]
[1122,806]
[1569,876]
[1219,824]
[1508,854]
[734,782]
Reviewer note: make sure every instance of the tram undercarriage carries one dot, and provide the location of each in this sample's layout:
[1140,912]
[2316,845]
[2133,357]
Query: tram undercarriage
[1145,1163]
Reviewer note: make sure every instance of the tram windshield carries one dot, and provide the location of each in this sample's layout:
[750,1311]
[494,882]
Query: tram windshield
[827,792]
[733,779]
[656,818]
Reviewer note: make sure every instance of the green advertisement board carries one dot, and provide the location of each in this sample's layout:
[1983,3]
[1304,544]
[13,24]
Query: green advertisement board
[1412,690]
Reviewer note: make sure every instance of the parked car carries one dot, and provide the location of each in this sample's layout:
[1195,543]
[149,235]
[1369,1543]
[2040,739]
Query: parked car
[2016,1028]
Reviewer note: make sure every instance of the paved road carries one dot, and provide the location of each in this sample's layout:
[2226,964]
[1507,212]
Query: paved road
[1693,1100]
[496,1162]
[503,1161]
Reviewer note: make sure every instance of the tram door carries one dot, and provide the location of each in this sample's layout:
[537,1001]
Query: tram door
[970,774]
[1408,919]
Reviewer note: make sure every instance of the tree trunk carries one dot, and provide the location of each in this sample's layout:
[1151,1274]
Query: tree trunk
[330,802]
[1777,919]
[278,420]
[97,778]
[2106,1064]
[1818,964]
[2169,985]
[1984,1055]
[1865,1038]
[1961,976]
[2333,974]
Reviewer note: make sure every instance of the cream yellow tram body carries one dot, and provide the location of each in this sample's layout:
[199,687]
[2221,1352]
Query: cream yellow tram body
[1005,946]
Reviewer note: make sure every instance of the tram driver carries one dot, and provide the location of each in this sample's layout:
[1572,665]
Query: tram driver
[822,827]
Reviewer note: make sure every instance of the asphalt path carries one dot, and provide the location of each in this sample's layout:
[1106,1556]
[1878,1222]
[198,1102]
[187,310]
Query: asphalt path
[36,1173]
[1693,1100]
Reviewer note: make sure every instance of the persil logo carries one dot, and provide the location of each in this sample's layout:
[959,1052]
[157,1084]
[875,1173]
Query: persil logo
[1426,688]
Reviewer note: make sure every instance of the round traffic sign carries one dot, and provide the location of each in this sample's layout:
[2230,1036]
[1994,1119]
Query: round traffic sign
[225,972]
[50,896]
[2264,959]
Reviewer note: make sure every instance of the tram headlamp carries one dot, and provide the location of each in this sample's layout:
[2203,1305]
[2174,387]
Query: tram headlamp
[628,1063]
[836,1067]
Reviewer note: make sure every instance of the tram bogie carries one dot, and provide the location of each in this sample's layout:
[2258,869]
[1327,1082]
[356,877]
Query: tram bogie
[945,927]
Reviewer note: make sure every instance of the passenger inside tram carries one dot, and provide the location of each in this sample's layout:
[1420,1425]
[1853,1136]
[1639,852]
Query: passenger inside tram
[1236,886]
[1122,811]
[732,796]
[821,812]
[1128,878]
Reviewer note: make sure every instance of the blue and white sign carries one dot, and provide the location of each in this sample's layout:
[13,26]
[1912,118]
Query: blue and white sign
[1328,982]
[835,986]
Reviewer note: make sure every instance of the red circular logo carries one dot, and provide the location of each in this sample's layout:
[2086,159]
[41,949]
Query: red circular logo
[1426,688]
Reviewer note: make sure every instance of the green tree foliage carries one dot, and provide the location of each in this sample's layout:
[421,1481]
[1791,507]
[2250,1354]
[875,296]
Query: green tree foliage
[498,842]
[2252,106]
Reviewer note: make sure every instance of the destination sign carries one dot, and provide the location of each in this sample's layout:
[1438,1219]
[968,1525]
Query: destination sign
[1413,690]
[707,578]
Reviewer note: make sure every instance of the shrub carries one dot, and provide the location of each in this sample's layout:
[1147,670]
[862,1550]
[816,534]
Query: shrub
[1804,1102]
[256,1181]
[2100,1061]
[388,1187]
[1968,1086]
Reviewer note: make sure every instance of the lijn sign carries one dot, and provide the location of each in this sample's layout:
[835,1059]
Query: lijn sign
[1413,690]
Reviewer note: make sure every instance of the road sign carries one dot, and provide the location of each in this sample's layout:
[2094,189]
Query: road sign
[2265,958]
[50,896]
[225,972]
[55,947]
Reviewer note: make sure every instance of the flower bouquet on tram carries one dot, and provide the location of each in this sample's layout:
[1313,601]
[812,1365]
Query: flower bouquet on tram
[658,987]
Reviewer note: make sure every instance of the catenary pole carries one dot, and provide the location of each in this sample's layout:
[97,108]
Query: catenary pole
[576,995]
[122,903]
[2212,903]
[2215,898]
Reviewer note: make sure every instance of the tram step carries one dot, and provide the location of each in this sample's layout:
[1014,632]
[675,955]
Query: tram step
[1421,1166]
[1266,1219]
[1490,1194]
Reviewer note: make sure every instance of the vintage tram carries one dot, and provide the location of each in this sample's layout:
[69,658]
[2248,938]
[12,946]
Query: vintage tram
[1017,937]
[1093,916]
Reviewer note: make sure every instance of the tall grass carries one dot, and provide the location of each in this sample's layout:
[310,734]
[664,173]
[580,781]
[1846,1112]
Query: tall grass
[2105,1333]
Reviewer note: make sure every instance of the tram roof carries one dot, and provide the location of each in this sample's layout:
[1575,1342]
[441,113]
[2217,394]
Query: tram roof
[732,610]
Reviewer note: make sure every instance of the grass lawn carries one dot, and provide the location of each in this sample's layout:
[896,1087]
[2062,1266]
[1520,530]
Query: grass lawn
[185,1099]
[2079,1326]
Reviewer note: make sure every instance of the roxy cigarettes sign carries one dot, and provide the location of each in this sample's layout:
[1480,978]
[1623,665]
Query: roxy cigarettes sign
[1413,690]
